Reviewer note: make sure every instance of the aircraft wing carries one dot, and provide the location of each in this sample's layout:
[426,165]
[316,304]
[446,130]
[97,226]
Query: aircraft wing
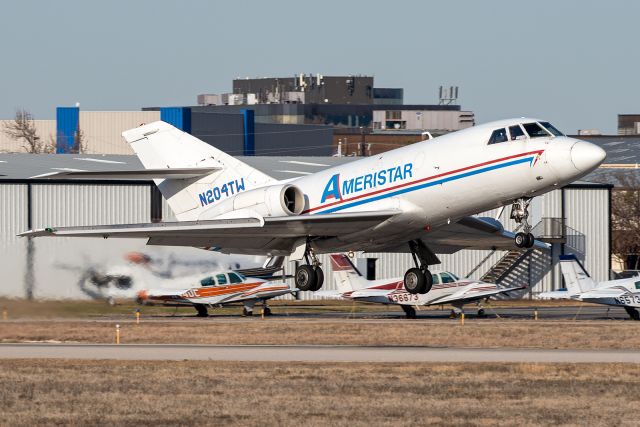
[371,293]
[229,233]
[474,295]
[469,232]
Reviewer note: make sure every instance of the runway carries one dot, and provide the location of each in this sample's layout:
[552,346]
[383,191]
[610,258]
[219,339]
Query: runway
[310,353]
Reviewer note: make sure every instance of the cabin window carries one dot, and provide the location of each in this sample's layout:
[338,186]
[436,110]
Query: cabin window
[498,135]
[234,278]
[637,285]
[436,279]
[535,130]
[446,278]
[551,128]
[208,281]
[222,279]
[516,132]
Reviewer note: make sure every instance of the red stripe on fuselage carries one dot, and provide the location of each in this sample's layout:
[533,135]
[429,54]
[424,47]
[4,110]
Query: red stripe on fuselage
[420,180]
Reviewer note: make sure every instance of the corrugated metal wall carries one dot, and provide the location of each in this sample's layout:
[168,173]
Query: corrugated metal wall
[13,220]
[102,129]
[89,204]
[581,208]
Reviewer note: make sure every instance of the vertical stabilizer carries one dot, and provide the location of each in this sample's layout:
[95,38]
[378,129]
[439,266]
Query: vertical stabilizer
[159,145]
[576,278]
[345,274]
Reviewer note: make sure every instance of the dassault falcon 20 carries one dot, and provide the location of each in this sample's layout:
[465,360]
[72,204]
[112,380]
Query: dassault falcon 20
[417,198]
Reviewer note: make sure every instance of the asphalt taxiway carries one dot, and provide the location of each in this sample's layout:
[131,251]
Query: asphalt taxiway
[310,353]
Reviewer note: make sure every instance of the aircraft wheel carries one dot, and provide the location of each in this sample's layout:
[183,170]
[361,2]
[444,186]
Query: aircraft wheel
[319,279]
[409,311]
[428,282]
[414,281]
[521,239]
[201,309]
[246,313]
[530,240]
[306,278]
[633,313]
[481,313]
[266,311]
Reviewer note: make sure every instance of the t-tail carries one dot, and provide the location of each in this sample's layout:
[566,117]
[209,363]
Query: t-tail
[576,278]
[159,145]
[346,275]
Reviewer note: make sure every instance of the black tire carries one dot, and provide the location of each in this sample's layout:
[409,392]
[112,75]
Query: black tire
[266,311]
[409,311]
[521,240]
[481,313]
[246,312]
[428,282]
[633,313]
[530,240]
[201,309]
[306,278]
[319,279]
[414,281]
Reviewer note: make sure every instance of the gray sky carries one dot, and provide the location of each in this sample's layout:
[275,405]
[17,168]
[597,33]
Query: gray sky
[575,63]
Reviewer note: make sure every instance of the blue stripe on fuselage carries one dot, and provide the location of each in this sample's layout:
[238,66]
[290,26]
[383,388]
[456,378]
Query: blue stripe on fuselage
[428,184]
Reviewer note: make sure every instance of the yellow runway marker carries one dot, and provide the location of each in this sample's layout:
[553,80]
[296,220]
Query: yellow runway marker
[117,334]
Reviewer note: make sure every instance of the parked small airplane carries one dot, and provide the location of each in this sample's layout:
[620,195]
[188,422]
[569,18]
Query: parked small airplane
[447,289]
[419,199]
[139,271]
[217,290]
[580,286]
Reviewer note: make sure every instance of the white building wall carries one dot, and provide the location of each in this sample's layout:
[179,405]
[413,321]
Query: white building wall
[102,130]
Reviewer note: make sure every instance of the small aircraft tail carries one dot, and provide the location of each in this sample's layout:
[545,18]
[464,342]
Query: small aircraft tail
[576,278]
[345,274]
[159,145]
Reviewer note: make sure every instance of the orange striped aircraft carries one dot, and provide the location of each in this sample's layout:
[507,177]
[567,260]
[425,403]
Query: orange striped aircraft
[217,290]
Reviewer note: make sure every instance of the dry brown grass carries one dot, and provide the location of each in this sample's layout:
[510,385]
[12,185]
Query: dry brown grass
[50,392]
[475,333]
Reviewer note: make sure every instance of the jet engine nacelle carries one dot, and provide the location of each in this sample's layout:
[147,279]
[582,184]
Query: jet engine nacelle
[274,200]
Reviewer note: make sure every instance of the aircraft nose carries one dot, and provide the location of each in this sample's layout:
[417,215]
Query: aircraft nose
[586,156]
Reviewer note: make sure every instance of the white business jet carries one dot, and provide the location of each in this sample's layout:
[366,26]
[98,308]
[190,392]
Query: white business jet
[417,198]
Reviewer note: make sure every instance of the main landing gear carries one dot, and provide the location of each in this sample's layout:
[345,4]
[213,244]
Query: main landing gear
[520,213]
[633,313]
[418,280]
[309,276]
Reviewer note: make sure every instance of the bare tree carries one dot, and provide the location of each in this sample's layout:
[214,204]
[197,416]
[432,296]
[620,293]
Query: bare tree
[625,218]
[23,129]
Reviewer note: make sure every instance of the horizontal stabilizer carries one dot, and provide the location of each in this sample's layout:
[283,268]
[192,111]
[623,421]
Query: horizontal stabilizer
[144,174]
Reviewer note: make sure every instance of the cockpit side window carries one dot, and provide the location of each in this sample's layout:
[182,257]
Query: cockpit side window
[208,281]
[446,278]
[516,132]
[535,131]
[234,278]
[551,128]
[498,135]
[222,279]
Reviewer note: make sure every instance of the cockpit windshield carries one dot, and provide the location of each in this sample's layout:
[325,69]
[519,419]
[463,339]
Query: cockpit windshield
[535,130]
[552,129]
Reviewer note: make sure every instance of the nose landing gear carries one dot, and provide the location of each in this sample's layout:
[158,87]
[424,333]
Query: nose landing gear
[520,214]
